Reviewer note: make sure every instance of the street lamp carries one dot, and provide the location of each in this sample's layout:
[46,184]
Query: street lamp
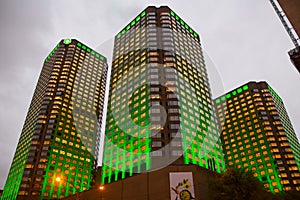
[101,188]
[59,180]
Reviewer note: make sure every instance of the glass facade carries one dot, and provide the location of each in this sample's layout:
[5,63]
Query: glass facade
[160,106]
[59,144]
[257,135]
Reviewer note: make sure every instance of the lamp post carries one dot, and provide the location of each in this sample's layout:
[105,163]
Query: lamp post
[59,180]
[101,188]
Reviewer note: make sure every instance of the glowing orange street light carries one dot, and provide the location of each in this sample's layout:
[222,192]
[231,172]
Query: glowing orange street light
[101,187]
[58,179]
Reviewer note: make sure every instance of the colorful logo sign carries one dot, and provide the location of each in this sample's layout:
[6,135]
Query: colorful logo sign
[181,186]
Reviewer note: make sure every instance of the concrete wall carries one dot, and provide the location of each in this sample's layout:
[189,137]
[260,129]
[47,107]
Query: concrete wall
[150,186]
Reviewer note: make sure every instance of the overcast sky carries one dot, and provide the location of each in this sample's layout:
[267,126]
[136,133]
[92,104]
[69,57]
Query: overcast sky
[244,39]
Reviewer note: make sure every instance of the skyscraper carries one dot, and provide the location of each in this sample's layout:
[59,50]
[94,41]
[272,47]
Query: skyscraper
[59,143]
[160,106]
[288,12]
[292,10]
[258,135]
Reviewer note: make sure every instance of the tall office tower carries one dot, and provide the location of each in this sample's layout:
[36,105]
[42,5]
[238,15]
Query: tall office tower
[258,135]
[59,143]
[288,12]
[292,10]
[160,106]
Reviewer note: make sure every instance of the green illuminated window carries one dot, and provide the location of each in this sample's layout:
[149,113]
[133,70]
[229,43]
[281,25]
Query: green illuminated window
[245,87]
[274,93]
[172,13]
